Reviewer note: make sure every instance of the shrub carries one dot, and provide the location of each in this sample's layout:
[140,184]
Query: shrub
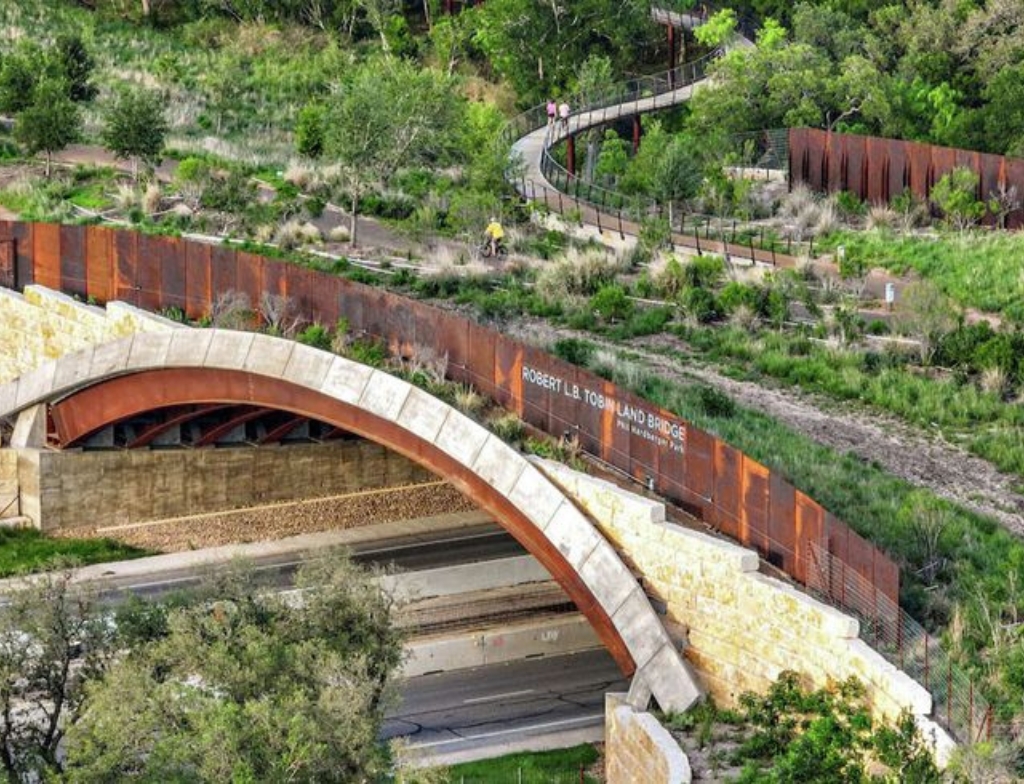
[611,303]
[578,352]
[701,304]
[317,336]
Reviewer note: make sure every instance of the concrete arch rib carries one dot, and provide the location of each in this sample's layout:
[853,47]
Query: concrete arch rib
[109,382]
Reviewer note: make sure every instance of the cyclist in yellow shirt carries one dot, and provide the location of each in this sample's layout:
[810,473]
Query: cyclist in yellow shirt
[495,234]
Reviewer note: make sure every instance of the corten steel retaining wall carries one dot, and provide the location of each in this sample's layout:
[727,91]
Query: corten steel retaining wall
[878,169]
[717,482]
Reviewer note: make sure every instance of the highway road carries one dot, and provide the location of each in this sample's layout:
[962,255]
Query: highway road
[499,708]
[446,548]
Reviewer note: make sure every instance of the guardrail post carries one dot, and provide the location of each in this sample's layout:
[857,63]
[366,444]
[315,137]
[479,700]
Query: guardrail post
[637,132]
[671,54]
[570,154]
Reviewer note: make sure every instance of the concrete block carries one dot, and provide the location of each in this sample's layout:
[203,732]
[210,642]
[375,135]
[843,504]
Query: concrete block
[536,496]
[573,535]
[269,356]
[9,397]
[308,366]
[602,498]
[346,380]
[499,464]
[705,547]
[384,395]
[228,349]
[110,359]
[465,578]
[640,627]
[672,680]
[461,437]
[36,385]
[73,371]
[189,347]
[832,622]
[30,428]
[423,414]
[608,578]
[149,351]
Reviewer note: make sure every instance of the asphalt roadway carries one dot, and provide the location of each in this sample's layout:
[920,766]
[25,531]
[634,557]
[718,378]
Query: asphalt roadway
[488,711]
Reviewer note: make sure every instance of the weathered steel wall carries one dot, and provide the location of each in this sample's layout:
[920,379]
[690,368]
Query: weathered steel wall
[878,169]
[720,484]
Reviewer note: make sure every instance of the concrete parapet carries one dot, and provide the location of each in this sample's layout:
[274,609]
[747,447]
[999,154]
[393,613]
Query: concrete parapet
[637,748]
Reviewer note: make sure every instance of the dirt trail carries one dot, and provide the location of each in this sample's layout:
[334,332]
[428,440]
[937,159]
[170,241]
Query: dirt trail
[922,459]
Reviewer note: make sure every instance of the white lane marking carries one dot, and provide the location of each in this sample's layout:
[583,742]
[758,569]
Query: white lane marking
[497,696]
[513,731]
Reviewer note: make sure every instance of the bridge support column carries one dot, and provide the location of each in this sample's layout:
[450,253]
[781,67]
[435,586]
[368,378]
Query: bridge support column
[637,132]
[672,56]
[570,155]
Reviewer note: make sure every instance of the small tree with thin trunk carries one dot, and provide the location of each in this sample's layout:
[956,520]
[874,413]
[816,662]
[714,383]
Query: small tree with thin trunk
[391,114]
[134,127]
[49,124]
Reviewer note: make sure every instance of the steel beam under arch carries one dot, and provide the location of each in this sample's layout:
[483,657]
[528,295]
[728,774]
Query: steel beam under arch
[121,397]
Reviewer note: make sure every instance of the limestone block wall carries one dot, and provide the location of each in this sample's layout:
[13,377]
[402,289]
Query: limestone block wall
[742,628]
[638,748]
[9,506]
[73,489]
[41,325]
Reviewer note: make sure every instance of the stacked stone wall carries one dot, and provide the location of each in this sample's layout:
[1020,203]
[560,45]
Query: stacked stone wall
[9,506]
[63,490]
[741,628]
[637,748]
[41,325]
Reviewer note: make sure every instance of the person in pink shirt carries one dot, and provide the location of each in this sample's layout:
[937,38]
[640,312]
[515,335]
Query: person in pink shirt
[563,115]
[552,111]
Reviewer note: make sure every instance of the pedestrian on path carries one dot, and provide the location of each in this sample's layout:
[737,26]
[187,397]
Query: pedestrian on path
[563,115]
[552,111]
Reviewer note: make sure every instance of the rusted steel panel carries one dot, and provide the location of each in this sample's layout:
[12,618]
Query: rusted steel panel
[754,505]
[896,172]
[874,184]
[99,263]
[635,413]
[480,362]
[699,462]
[919,163]
[24,253]
[782,532]
[318,298]
[274,278]
[856,164]
[834,162]
[810,528]
[147,272]
[199,294]
[589,412]
[399,329]
[375,317]
[614,430]
[223,271]
[508,373]
[564,403]
[249,280]
[46,253]
[72,261]
[728,487]
[453,334]
[538,381]
[943,161]
[1015,176]
[886,576]
[170,252]
[126,257]
[671,466]
[8,263]
[991,172]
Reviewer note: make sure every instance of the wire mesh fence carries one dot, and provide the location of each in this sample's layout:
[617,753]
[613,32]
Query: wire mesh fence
[957,704]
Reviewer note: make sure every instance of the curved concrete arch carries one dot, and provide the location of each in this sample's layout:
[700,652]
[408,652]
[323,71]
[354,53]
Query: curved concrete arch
[106,383]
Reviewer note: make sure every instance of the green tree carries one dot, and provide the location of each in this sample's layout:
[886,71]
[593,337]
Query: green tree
[134,127]
[244,686]
[925,313]
[390,115]
[956,194]
[75,65]
[309,130]
[53,639]
[50,123]
[18,77]
[719,29]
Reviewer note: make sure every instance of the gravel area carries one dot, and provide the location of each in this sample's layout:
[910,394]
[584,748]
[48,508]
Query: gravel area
[288,519]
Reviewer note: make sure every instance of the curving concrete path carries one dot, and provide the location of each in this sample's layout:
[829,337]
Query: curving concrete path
[141,372]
